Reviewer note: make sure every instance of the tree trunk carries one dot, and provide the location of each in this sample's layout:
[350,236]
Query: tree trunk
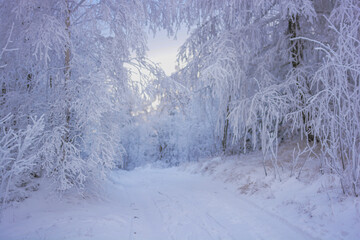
[67,74]
[3,95]
[296,46]
[296,52]
[226,126]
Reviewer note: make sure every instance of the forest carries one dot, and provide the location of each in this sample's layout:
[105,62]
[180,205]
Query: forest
[79,96]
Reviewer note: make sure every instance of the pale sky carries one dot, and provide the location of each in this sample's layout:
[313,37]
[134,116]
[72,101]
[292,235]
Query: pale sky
[163,50]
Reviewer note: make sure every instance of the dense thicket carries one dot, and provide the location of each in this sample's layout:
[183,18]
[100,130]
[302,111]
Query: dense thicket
[253,74]
[260,72]
[65,86]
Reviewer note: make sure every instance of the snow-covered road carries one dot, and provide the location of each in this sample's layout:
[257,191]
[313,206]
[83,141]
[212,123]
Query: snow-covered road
[148,204]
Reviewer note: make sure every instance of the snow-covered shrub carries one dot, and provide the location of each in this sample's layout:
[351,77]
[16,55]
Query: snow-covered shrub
[61,160]
[140,143]
[19,159]
[184,137]
[258,120]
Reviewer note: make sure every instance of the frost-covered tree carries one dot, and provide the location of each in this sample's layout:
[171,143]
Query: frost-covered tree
[69,70]
[255,73]
[239,56]
[334,104]
[272,69]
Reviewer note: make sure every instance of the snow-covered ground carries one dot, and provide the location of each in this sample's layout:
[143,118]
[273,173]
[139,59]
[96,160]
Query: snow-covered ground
[217,199]
[301,196]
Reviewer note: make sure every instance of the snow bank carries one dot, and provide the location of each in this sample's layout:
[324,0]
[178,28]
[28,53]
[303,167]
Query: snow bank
[312,201]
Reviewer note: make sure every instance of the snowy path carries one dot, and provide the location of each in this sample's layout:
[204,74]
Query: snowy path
[149,204]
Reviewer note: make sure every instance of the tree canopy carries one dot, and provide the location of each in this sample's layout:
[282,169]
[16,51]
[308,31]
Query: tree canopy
[254,74]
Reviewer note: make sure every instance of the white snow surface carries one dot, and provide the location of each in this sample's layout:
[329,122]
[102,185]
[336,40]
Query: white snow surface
[194,202]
